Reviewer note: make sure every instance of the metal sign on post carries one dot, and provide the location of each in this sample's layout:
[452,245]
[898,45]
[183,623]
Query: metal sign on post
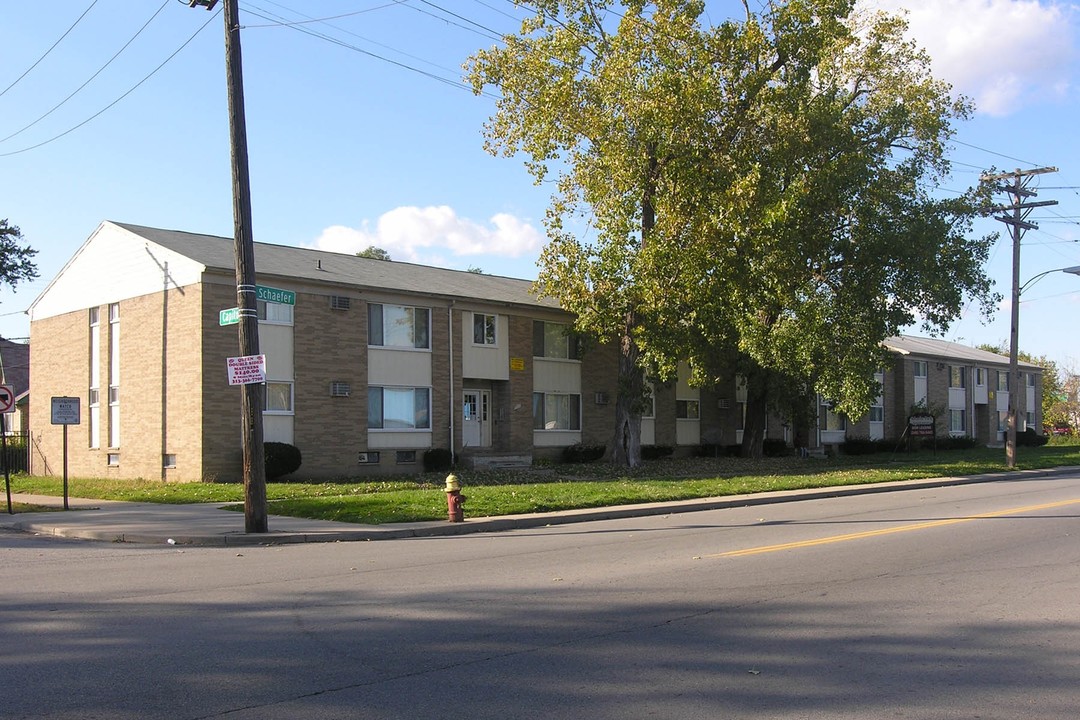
[247,369]
[65,411]
[7,399]
[275,295]
[229,316]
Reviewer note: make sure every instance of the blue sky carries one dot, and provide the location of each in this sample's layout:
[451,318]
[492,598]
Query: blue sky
[361,133]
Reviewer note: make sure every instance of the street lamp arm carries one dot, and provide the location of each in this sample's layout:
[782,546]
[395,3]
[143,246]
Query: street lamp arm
[1032,280]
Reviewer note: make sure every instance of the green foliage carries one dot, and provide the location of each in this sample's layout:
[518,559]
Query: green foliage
[774,447]
[374,253]
[865,446]
[280,459]
[756,185]
[438,460]
[580,453]
[656,452]
[15,258]
[1030,438]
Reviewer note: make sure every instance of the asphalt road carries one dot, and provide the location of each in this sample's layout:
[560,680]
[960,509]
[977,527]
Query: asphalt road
[955,602]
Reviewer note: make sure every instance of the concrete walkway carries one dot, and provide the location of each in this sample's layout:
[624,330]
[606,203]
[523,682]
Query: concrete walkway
[211,524]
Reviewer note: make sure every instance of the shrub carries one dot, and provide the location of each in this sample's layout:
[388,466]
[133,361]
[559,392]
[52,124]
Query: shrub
[280,459]
[580,453]
[656,452]
[1030,438]
[956,443]
[862,446]
[774,447]
[438,460]
[716,450]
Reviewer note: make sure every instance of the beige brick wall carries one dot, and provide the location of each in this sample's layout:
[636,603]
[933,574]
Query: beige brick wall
[159,358]
[599,373]
[329,346]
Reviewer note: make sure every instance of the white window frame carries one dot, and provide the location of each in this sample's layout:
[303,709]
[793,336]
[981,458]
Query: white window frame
[406,311]
[485,330]
[557,341]
[541,411]
[273,313]
[279,385]
[421,422]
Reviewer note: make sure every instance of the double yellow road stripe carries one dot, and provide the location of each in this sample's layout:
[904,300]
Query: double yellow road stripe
[890,531]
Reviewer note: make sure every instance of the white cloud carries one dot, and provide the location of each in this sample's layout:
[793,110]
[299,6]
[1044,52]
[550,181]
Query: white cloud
[1001,53]
[427,235]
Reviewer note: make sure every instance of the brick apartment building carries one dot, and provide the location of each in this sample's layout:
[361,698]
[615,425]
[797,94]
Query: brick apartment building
[376,362]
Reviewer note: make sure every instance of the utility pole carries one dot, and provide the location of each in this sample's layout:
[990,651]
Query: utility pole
[251,423]
[1017,191]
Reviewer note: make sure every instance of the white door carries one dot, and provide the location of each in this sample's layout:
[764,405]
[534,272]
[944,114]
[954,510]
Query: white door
[475,418]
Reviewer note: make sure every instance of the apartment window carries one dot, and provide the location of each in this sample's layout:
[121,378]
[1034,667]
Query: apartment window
[648,409]
[114,375]
[919,368]
[833,420]
[1029,420]
[980,377]
[405,457]
[95,377]
[1029,378]
[877,413]
[1003,420]
[687,409]
[399,326]
[484,329]
[274,313]
[957,422]
[278,398]
[957,376]
[1003,380]
[553,411]
[169,461]
[95,417]
[399,408]
[554,340]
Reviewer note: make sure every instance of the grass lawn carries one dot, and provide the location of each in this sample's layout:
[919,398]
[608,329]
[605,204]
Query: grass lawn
[561,487]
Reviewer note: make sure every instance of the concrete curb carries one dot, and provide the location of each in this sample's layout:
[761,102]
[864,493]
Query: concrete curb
[209,525]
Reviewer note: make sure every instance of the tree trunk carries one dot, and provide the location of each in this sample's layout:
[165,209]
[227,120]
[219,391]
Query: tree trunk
[626,443]
[754,422]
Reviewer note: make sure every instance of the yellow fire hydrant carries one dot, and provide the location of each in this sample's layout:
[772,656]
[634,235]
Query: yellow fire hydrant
[454,499]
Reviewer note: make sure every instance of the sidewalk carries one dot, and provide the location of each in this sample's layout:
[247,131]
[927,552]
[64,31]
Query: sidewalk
[209,524]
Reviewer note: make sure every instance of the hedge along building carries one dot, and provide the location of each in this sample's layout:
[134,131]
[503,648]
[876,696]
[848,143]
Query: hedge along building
[374,364]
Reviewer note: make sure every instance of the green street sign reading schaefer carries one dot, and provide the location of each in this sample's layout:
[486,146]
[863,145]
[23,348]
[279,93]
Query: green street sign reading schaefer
[275,295]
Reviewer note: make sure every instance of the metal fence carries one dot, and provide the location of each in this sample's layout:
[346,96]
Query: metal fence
[16,457]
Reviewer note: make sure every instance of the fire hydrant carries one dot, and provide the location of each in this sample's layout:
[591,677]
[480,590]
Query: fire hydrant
[454,499]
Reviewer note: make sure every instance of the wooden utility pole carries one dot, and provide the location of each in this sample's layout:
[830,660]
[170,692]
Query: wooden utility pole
[251,422]
[1017,222]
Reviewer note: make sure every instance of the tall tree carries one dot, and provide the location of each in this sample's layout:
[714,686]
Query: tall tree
[15,258]
[756,185]
[373,253]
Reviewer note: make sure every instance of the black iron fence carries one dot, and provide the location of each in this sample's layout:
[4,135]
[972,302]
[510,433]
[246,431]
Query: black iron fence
[16,453]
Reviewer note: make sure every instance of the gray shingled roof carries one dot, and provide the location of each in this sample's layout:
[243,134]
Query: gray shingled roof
[345,270]
[930,347]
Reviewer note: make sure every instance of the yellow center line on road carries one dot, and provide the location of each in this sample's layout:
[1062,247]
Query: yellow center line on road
[889,531]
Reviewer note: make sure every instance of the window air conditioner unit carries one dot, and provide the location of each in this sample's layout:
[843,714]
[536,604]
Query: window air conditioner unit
[340,302]
[601,398]
[340,389]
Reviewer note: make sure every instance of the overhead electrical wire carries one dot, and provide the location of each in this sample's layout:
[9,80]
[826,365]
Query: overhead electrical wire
[114,102]
[91,78]
[53,47]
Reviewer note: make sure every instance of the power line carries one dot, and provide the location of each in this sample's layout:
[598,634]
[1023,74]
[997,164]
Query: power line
[114,102]
[100,70]
[27,72]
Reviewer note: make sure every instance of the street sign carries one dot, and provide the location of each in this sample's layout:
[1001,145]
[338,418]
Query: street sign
[230,316]
[247,369]
[275,295]
[7,399]
[65,411]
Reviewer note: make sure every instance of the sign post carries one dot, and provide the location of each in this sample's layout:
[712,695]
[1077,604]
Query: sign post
[65,411]
[7,405]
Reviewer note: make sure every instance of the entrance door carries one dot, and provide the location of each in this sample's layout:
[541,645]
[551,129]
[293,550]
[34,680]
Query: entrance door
[476,419]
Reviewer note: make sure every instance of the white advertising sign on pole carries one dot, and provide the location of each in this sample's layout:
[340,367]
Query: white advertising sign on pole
[247,369]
